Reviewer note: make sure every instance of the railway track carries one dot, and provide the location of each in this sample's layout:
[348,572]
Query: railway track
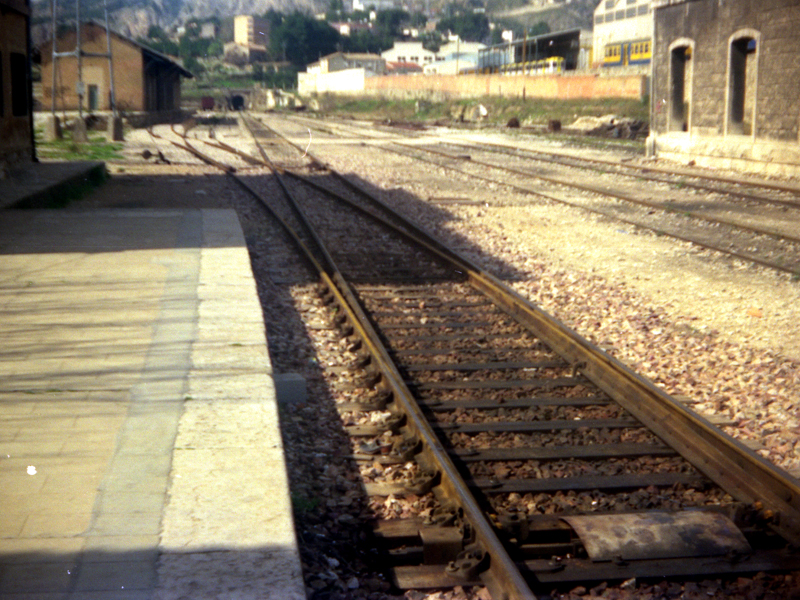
[753,221]
[546,461]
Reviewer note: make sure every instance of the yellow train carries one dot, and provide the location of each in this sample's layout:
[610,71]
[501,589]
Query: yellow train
[638,52]
[544,66]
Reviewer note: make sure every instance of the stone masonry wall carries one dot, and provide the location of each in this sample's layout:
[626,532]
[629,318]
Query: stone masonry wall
[710,24]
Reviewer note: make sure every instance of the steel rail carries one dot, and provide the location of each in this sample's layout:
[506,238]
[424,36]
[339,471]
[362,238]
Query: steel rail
[656,230]
[667,171]
[616,195]
[739,471]
[642,170]
[732,253]
[502,576]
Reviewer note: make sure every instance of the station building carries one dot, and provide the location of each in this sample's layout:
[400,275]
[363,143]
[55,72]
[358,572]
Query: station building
[725,84]
[144,80]
[623,34]
[573,48]
[16,123]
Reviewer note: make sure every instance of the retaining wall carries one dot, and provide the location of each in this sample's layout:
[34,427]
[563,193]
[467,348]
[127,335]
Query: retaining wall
[585,86]
[566,86]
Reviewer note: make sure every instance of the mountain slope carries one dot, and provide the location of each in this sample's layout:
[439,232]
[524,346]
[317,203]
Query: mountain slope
[134,17]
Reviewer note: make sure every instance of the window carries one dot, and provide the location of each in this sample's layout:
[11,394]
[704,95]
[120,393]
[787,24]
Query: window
[643,9]
[610,18]
[680,87]
[19,84]
[610,4]
[630,12]
[93,97]
[598,19]
[742,75]
[619,15]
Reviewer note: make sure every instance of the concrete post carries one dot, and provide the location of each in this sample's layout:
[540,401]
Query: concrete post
[79,134]
[52,129]
[114,129]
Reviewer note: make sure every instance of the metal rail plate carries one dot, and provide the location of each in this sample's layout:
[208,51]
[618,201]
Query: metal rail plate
[641,536]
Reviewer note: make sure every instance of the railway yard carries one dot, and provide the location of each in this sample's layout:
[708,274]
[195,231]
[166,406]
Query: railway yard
[491,400]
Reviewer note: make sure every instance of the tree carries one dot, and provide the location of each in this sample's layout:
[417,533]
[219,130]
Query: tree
[418,19]
[193,65]
[390,22]
[215,48]
[540,28]
[302,39]
[473,27]
[335,11]
[366,41]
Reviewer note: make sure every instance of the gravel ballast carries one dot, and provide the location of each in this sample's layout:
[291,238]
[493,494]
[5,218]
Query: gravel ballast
[723,335]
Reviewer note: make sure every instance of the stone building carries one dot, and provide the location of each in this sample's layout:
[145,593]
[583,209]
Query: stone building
[16,130]
[144,80]
[725,83]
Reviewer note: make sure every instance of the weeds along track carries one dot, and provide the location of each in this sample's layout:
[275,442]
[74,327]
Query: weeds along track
[546,461]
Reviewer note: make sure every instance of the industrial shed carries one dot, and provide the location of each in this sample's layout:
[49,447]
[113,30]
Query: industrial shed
[16,131]
[144,80]
[725,89]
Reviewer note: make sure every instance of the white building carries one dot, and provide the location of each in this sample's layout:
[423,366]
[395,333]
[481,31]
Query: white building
[413,52]
[457,46]
[208,31]
[341,61]
[378,4]
[339,72]
[618,22]
[453,65]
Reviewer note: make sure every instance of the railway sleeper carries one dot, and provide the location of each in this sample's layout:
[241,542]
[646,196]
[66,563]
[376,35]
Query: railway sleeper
[584,549]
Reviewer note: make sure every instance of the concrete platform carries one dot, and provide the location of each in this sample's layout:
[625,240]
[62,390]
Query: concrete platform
[48,184]
[140,451]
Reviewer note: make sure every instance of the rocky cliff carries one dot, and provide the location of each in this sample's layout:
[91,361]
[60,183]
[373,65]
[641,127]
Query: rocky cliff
[134,17]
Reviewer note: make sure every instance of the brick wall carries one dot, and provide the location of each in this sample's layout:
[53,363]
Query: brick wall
[128,72]
[568,86]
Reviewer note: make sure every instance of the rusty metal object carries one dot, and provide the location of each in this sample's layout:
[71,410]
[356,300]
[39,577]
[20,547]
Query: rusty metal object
[652,535]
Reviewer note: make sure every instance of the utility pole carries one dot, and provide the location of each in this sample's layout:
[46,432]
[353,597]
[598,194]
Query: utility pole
[115,124]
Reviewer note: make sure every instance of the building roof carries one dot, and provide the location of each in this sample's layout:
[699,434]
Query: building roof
[354,56]
[403,66]
[147,51]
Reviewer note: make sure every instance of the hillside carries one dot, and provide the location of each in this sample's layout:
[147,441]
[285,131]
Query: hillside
[562,15]
[134,17]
